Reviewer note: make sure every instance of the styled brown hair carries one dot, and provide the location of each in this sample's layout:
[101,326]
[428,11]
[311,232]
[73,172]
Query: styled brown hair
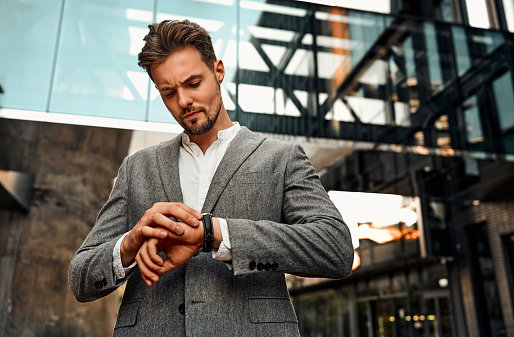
[170,36]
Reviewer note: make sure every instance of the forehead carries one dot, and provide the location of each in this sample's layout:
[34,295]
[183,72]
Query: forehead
[178,66]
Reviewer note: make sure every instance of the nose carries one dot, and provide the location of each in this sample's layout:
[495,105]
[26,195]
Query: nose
[184,100]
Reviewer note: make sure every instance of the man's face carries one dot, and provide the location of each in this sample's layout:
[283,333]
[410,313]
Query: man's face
[190,90]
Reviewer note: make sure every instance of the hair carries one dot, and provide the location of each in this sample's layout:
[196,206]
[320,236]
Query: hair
[171,36]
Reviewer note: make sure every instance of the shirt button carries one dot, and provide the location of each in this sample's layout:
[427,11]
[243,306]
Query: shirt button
[198,154]
[182,308]
[204,181]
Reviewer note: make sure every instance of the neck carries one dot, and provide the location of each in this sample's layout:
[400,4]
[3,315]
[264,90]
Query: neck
[205,140]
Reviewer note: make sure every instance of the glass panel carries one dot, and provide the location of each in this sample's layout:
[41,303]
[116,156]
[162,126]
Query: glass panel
[442,132]
[508,7]
[445,318]
[473,124]
[431,317]
[362,313]
[481,42]
[410,74]
[323,313]
[385,319]
[461,49]
[477,13]
[433,57]
[364,30]
[276,47]
[379,286]
[28,39]
[445,11]
[400,321]
[97,72]
[367,100]
[485,280]
[504,99]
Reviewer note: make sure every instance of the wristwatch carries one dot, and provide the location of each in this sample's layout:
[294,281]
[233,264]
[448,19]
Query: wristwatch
[208,232]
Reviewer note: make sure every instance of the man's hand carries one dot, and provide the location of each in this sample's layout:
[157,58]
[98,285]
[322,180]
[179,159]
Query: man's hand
[156,223]
[178,249]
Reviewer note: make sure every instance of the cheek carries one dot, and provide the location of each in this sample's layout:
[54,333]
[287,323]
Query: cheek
[170,106]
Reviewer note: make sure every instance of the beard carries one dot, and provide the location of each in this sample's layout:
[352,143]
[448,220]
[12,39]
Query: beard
[197,127]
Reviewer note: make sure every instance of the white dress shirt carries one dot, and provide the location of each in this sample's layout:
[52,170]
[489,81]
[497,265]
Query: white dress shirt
[196,171]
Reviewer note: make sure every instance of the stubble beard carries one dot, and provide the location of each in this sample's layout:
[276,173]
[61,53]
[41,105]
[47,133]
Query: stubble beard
[195,127]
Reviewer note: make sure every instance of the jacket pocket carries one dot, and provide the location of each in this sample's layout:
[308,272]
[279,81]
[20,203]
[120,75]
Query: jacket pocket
[127,315]
[271,310]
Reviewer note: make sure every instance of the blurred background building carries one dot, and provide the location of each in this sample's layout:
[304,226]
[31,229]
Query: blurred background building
[405,107]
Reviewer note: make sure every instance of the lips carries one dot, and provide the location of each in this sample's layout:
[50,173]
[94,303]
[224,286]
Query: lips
[191,114]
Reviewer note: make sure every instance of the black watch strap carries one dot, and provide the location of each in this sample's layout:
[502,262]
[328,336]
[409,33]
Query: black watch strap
[208,230]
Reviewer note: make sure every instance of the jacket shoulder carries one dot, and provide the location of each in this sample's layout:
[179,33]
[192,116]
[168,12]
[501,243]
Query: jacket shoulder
[151,153]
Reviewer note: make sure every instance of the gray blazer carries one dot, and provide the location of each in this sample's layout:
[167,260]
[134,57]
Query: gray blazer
[280,220]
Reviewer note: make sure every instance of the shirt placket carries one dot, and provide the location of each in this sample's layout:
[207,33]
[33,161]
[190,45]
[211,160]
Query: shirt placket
[204,178]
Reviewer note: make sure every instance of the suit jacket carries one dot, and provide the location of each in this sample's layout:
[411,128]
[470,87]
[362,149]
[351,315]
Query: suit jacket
[280,220]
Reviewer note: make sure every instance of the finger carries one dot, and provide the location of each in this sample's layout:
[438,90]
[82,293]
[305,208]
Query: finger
[153,252]
[142,271]
[159,232]
[196,217]
[181,212]
[149,264]
[146,266]
[160,222]
[169,265]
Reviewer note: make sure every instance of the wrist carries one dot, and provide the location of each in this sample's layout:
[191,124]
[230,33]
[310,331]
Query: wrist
[126,257]
[218,237]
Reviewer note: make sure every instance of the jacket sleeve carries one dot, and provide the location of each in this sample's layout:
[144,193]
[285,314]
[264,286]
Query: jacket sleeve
[91,275]
[313,239]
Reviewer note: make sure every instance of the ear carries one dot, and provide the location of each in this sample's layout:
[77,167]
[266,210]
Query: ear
[219,71]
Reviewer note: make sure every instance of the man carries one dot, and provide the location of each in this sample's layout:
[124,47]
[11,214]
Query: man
[223,274]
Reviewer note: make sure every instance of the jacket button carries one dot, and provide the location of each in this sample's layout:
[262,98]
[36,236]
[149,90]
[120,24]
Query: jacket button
[252,265]
[182,308]
[260,267]
[267,266]
[274,266]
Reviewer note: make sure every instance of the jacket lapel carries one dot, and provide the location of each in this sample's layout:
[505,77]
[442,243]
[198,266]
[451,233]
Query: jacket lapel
[243,144]
[167,163]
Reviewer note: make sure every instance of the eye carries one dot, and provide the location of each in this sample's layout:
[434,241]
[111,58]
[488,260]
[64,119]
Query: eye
[169,93]
[195,84]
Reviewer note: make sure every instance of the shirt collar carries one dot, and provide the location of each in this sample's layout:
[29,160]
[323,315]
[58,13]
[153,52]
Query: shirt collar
[222,134]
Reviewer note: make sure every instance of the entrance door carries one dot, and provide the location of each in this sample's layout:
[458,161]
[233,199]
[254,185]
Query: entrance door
[396,317]
[437,317]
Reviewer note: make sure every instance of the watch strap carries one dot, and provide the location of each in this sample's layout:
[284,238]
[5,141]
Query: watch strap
[208,230]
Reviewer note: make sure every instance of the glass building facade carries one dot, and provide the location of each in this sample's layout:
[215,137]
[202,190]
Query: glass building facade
[423,96]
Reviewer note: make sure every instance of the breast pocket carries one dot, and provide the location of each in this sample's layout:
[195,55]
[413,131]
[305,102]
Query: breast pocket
[254,178]
[127,315]
[271,310]
[253,196]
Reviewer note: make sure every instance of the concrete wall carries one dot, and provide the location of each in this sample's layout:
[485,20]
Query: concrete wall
[74,168]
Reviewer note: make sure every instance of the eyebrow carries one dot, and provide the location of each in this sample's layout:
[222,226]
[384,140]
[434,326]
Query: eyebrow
[190,78]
